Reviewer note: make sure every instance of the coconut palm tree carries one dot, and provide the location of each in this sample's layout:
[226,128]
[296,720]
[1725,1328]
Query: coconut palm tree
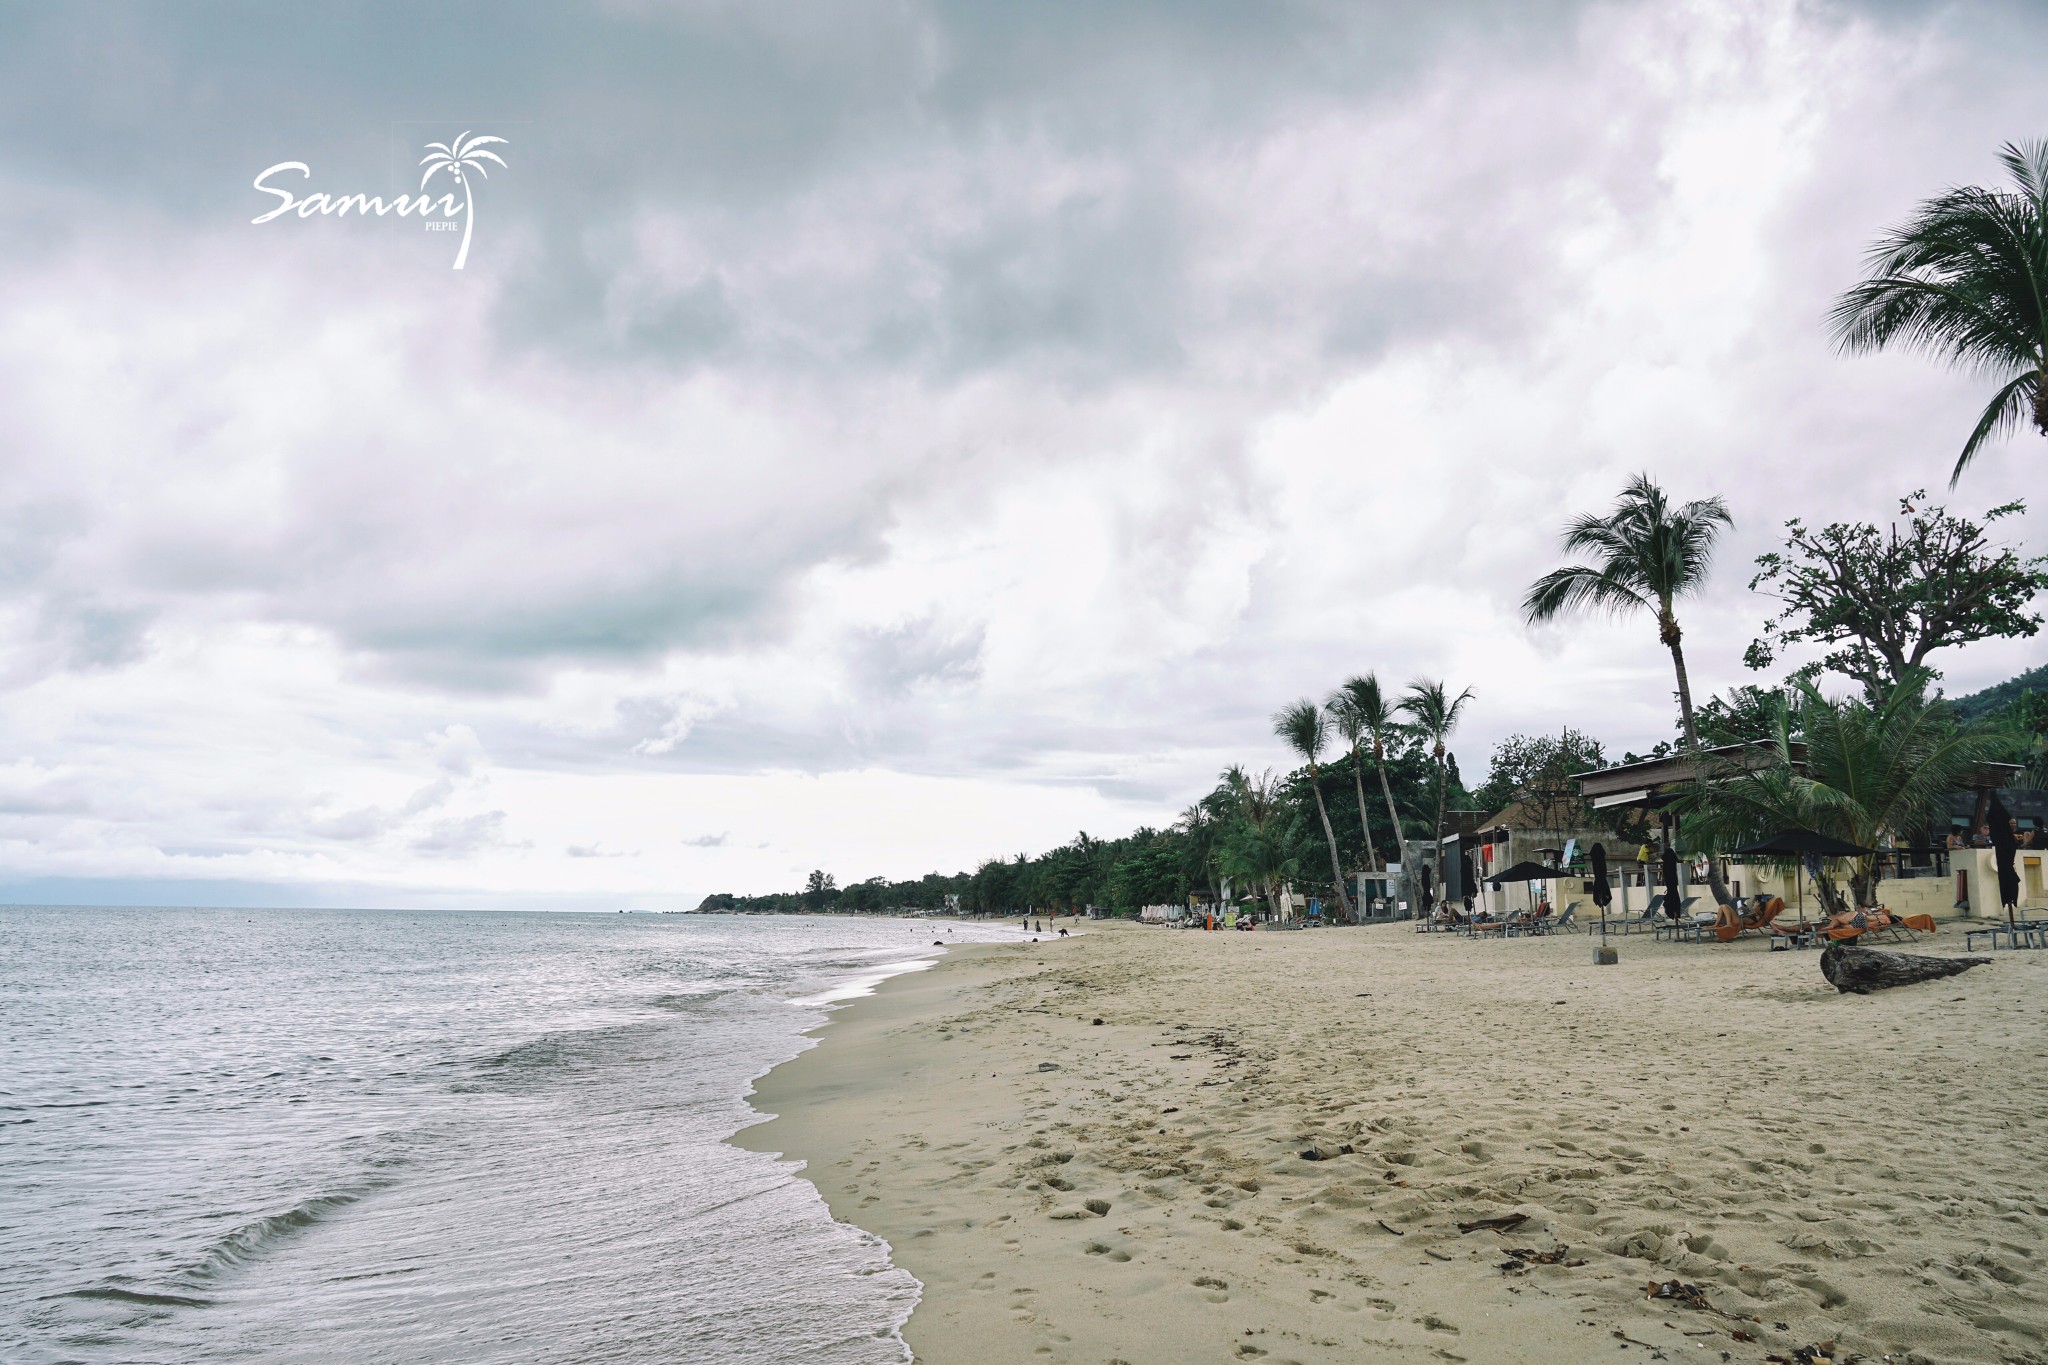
[1361,701]
[462,156]
[1350,725]
[1436,714]
[1966,277]
[1870,767]
[1648,554]
[1307,731]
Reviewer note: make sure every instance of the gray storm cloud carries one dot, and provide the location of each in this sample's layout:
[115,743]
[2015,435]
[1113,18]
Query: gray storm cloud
[1016,397]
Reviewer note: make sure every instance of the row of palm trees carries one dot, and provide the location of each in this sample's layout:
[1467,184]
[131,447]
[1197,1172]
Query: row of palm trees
[1361,712]
[1965,277]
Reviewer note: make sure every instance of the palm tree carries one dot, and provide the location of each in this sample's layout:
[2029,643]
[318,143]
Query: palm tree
[1648,554]
[1436,714]
[462,156]
[1870,767]
[1307,730]
[1966,277]
[1361,701]
[1351,725]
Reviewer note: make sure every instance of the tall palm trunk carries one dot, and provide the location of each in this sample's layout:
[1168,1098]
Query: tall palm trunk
[1315,780]
[1436,852]
[1379,763]
[1364,825]
[1667,627]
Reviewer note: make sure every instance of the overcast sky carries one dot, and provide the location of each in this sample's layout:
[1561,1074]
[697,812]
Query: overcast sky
[876,436]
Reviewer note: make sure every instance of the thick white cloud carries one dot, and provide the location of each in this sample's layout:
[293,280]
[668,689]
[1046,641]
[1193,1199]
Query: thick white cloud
[881,444]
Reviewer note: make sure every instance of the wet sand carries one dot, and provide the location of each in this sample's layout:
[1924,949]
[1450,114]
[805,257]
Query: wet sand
[1871,1172]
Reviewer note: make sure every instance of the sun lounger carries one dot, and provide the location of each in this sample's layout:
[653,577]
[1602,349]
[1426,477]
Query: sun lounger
[1568,921]
[1731,926]
[1646,919]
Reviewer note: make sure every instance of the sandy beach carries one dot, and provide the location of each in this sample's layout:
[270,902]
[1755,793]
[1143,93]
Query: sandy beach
[1145,1146]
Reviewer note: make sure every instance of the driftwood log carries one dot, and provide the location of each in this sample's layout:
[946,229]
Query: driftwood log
[1860,971]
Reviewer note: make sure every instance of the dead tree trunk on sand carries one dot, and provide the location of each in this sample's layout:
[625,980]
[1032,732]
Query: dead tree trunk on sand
[1860,971]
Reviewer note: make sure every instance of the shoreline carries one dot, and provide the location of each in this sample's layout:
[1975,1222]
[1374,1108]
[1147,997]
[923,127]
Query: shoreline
[1859,1169]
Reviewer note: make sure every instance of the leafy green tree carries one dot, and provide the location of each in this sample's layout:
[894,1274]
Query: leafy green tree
[1966,277]
[1886,599]
[1742,715]
[1256,848]
[1307,731]
[1436,713]
[819,890]
[1869,767]
[1536,772]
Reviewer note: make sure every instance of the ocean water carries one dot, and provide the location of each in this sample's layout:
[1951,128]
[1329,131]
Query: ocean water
[288,1135]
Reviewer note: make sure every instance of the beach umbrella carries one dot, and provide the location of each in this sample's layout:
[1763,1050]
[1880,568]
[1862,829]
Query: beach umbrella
[2005,844]
[1525,871]
[1601,895]
[1427,897]
[1671,895]
[1800,845]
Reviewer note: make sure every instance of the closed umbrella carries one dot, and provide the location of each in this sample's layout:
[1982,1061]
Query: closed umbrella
[1428,896]
[2005,844]
[1671,896]
[1601,895]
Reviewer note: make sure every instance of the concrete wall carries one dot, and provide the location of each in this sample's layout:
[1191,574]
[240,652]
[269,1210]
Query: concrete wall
[1927,895]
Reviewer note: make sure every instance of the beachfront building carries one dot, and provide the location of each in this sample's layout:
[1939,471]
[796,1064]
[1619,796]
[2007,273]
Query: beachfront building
[1531,831]
[1921,873]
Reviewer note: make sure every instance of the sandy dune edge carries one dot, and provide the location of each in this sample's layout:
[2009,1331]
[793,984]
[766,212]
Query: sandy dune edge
[1866,1170]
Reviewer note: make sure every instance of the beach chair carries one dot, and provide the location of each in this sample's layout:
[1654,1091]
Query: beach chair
[1894,929]
[1645,919]
[1731,926]
[1680,927]
[1568,921]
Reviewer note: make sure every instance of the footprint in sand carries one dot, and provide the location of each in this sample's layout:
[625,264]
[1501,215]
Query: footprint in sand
[1108,1252]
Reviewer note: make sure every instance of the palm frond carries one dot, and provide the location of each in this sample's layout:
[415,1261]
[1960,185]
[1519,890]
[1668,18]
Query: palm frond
[1304,727]
[1578,586]
[2002,415]
[474,157]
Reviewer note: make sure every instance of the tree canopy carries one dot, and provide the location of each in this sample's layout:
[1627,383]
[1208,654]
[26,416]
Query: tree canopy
[1886,598]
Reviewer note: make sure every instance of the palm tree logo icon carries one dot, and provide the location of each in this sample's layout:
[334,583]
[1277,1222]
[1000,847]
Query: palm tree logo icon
[464,155]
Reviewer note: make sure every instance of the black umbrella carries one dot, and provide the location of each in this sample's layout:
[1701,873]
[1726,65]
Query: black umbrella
[1525,872]
[1803,843]
[1601,895]
[2005,843]
[1428,896]
[1671,895]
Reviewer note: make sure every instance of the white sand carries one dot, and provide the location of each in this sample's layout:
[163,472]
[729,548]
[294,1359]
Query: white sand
[1872,1171]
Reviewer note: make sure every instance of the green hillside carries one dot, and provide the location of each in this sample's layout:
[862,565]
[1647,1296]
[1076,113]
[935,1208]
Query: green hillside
[1979,704]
